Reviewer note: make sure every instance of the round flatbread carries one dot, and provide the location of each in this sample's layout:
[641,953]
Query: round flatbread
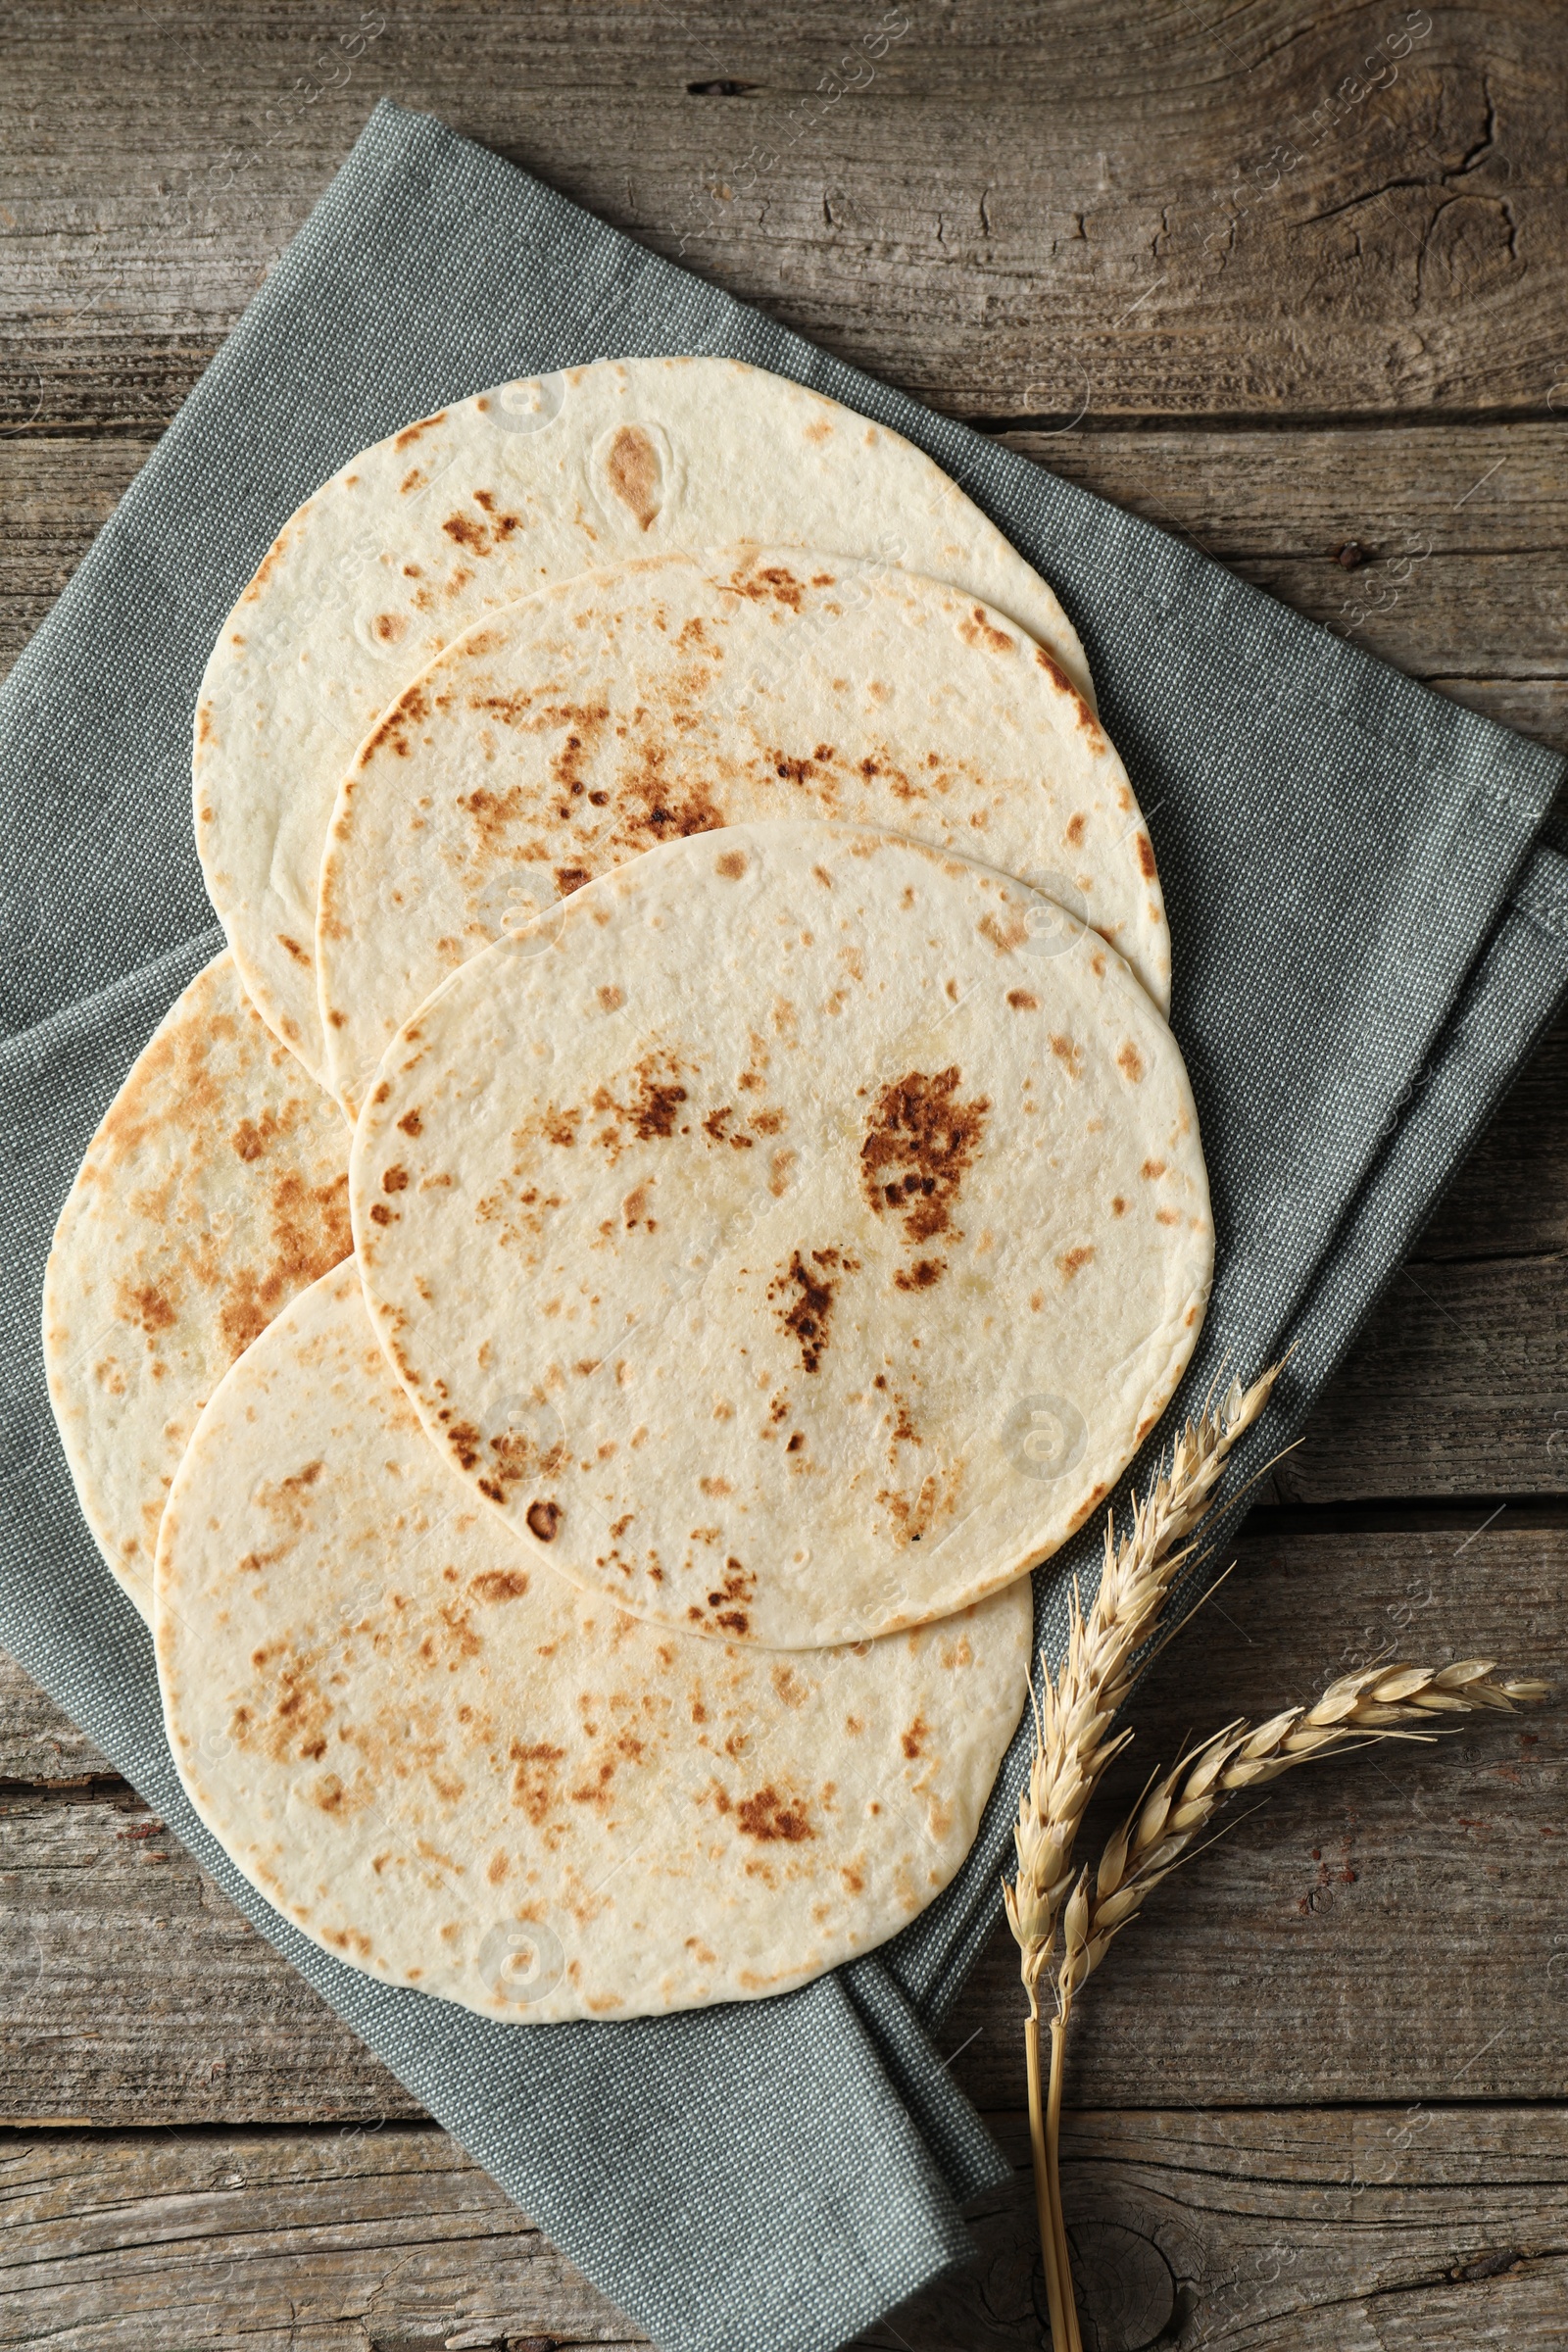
[465,512]
[581,726]
[214,1190]
[781,1237]
[456,1771]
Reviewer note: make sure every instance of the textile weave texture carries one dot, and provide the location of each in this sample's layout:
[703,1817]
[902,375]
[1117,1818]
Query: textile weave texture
[1368,933]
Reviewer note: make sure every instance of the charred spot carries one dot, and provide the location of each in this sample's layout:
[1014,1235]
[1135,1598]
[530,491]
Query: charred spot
[922,1275]
[572,877]
[807,1316]
[395,1180]
[412,1123]
[921,1140]
[653,1112]
[544,1520]
[466,1443]
[381,1214]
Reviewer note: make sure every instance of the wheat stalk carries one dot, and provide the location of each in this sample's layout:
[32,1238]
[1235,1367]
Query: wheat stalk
[1074,1744]
[1382,1702]
[1074,1710]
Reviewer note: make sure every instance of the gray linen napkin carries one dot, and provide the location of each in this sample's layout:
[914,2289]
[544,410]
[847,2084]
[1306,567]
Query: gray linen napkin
[1368,939]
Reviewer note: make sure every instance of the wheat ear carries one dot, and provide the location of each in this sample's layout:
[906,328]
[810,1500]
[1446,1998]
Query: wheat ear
[1074,1743]
[1382,1702]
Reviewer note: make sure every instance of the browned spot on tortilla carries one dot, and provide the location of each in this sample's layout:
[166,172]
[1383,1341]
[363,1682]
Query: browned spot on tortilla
[499,1584]
[533,1781]
[1130,1061]
[411,432]
[768,1816]
[412,1123]
[291,947]
[1004,937]
[464,1441]
[821,430]
[1146,857]
[633,469]
[919,1144]
[148,1306]
[572,877]
[1073,1261]
[310,1234]
[922,1275]
[204,722]
[768,583]
[544,1520]
[977,630]
[1075,829]
[913,1739]
[1153,1168]
[395,1180]
[1022,1001]
[809,1315]
[381,1214]
[731,866]
[1118,1206]
[611,996]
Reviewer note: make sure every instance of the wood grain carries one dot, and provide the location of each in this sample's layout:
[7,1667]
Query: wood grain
[1364,2230]
[1012,210]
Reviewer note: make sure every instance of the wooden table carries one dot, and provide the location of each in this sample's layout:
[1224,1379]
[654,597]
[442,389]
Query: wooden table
[1295,290]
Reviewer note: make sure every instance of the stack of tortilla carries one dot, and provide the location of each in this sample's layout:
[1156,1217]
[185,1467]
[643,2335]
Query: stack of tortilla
[678,1192]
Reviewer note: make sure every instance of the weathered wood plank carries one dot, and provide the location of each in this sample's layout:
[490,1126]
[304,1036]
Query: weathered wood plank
[37,1742]
[351,2241]
[1385,1926]
[130,1991]
[1458,1387]
[1362,2230]
[1011,211]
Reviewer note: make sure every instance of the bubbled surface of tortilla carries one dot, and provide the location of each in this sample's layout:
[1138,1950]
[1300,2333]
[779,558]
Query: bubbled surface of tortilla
[675,694]
[457,1771]
[464,512]
[215,1190]
[778,1239]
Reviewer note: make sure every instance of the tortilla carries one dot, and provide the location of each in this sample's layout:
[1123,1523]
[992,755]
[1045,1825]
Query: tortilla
[215,1187]
[465,511]
[779,1243]
[572,731]
[455,1771]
